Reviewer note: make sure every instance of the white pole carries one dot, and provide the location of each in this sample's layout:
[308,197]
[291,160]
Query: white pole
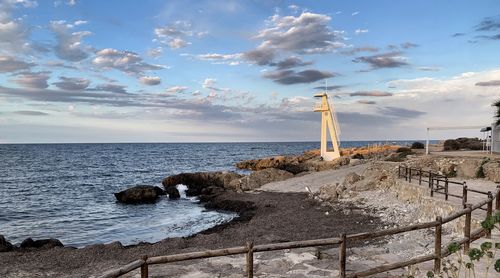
[427,143]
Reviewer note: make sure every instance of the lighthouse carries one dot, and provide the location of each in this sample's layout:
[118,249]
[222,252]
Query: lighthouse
[329,127]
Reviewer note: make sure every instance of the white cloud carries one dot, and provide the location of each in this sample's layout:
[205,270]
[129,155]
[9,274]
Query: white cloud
[355,13]
[35,80]
[176,89]
[11,64]
[69,44]
[361,31]
[175,35]
[125,61]
[150,80]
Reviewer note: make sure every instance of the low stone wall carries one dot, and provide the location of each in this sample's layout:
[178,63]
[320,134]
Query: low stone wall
[430,207]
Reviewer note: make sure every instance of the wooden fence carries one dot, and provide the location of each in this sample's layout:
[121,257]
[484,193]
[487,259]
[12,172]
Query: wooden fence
[437,184]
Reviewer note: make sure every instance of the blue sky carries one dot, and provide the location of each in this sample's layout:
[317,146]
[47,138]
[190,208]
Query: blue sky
[203,71]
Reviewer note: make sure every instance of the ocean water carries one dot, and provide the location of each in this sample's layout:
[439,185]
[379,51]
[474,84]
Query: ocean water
[65,191]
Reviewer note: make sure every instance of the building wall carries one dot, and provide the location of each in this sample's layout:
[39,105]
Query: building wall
[495,138]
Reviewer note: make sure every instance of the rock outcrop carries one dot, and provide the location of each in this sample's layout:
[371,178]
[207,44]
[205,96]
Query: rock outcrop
[308,162]
[139,194]
[5,246]
[41,243]
[492,170]
[258,178]
[172,192]
[199,180]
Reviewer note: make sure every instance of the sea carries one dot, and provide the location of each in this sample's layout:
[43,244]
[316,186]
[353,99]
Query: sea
[65,191]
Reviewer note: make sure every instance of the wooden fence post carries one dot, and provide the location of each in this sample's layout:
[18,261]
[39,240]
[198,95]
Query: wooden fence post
[464,194]
[467,228]
[437,245]
[406,173]
[432,185]
[420,177]
[430,179]
[144,267]
[409,176]
[342,255]
[489,212]
[446,189]
[249,257]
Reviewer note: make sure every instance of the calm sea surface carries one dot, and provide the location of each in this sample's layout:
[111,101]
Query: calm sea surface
[65,191]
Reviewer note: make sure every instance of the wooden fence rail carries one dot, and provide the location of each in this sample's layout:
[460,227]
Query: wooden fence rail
[343,241]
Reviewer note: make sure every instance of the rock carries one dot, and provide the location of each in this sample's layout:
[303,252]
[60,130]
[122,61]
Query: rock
[468,168]
[492,171]
[172,192]
[351,178]
[329,192]
[199,180]
[5,246]
[259,178]
[139,194]
[357,156]
[41,243]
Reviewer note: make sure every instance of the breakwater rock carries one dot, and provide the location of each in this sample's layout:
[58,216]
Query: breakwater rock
[139,194]
[197,181]
[307,162]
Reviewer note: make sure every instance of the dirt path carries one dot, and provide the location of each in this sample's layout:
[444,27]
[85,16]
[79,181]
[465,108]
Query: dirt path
[314,180]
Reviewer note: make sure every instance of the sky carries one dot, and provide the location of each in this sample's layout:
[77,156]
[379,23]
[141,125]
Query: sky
[231,71]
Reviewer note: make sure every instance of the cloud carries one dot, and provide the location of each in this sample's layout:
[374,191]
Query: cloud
[458,35]
[408,45]
[13,32]
[489,24]
[69,44]
[174,35]
[113,88]
[72,83]
[125,61]
[35,80]
[155,52]
[289,77]
[329,88]
[11,64]
[209,83]
[150,80]
[261,56]
[30,113]
[369,102]
[355,13]
[385,60]
[290,62]
[307,33]
[231,59]
[357,50]
[429,68]
[176,89]
[488,83]
[360,31]
[370,94]
[401,112]
[489,37]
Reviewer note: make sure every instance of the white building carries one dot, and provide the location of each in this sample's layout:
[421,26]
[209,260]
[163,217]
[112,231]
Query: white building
[495,138]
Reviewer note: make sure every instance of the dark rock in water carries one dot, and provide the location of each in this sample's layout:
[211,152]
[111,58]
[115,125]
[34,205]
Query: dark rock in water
[41,243]
[173,192]
[199,180]
[139,194]
[5,246]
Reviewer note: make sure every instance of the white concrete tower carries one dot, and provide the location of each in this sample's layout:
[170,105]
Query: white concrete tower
[329,125]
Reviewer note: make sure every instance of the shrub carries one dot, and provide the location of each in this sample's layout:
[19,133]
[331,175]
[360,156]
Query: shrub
[358,156]
[403,150]
[451,145]
[417,145]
